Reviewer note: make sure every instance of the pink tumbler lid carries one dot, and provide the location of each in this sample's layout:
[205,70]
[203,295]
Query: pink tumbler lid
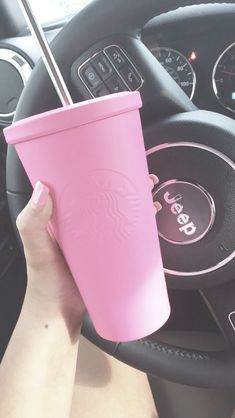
[71,116]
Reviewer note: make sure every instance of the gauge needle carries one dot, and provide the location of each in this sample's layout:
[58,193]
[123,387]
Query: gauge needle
[228,72]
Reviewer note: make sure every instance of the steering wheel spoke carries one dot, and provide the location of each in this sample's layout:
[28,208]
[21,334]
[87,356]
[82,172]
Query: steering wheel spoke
[123,62]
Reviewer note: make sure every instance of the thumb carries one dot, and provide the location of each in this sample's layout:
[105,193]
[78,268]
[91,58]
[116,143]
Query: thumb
[32,224]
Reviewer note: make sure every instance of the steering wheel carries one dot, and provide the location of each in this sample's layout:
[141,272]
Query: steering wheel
[192,151]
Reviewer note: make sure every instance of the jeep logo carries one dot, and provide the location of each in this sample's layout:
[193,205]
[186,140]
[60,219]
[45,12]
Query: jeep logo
[188,228]
[187,212]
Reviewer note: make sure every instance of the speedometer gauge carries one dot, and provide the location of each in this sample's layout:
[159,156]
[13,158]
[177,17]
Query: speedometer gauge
[177,65]
[224,78]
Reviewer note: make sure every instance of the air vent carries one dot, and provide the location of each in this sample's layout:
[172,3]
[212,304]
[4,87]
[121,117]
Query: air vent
[14,73]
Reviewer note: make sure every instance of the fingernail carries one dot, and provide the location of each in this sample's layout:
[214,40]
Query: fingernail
[154,178]
[40,194]
[157,206]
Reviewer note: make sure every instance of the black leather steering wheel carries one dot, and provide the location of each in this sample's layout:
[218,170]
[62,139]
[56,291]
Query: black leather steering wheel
[190,150]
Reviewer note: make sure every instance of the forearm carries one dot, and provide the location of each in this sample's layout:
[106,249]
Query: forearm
[38,369]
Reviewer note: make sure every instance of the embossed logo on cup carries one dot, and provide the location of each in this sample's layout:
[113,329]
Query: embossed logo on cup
[108,206]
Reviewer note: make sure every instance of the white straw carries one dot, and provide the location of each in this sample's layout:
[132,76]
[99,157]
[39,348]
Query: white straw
[48,58]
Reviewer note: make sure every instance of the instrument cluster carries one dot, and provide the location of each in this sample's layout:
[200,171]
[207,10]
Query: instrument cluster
[196,46]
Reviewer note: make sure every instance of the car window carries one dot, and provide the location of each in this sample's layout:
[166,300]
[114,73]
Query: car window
[53,10]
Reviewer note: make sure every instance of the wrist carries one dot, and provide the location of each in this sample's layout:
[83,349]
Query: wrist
[44,312]
[52,290]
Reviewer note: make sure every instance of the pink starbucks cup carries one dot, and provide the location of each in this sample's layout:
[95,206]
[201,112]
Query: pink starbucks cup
[92,157]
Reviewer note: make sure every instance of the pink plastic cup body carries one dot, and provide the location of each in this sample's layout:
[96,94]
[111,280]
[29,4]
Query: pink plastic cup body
[92,157]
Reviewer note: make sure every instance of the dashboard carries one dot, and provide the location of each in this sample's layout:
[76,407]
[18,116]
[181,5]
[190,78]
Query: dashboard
[195,44]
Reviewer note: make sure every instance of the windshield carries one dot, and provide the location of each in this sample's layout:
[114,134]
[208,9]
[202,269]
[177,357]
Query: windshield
[53,10]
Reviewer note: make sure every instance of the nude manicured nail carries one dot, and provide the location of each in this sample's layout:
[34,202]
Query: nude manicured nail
[40,194]
[157,206]
[154,179]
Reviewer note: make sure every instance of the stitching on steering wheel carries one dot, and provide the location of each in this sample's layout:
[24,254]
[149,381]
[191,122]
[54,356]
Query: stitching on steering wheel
[176,351]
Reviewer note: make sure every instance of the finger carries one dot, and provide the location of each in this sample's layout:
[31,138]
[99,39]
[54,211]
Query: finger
[158,206]
[32,224]
[154,180]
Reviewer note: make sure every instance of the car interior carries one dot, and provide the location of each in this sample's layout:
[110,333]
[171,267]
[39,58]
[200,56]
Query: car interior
[180,56]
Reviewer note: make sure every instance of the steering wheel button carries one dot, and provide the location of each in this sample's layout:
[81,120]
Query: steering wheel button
[102,66]
[90,77]
[115,84]
[101,91]
[116,55]
[131,78]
